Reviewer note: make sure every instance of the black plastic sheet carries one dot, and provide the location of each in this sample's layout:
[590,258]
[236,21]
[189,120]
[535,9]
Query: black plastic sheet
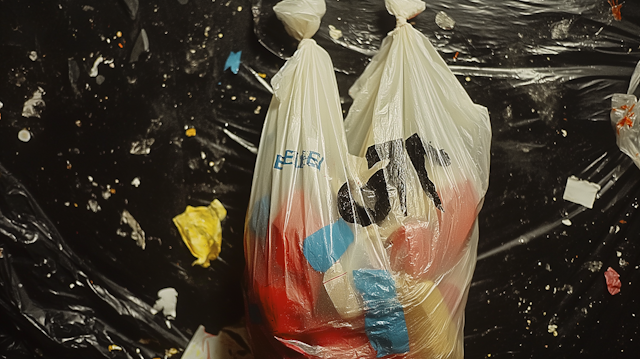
[544,69]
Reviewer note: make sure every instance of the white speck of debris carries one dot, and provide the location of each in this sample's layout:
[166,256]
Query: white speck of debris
[593,266]
[564,133]
[566,222]
[547,287]
[142,147]
[72,285]
[257,110]
[33,56]
[137,233]
[552,328]
[203,155]
[444,21]
[106,194]
[547,267]
[93,206]
[619,254]
[24,135]
[206,31]
[334,33]
[467,78]
[1,104]
[136,182]
[94,69]
[239,8]
[623,263]
[33,107]
[167,302]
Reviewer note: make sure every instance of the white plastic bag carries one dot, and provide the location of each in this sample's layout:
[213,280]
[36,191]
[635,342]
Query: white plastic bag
[411,110]
[624,119]
[301,300]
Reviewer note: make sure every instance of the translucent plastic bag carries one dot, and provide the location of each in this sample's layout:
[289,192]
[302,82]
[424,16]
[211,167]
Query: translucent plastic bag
[371,255]
[410,110]
[624,119]
[296,243]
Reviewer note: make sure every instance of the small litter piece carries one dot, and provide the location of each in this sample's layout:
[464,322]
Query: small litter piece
[33,56]
[613,281]
[93,206]
[444,21]
[114,347]
[142,147]
[24,135]
[137,234]
[167,303]
[222,346]
[190,132]
[233,62]
[201,231]
[94,68]
[34,106]
[334,33]
[581,192]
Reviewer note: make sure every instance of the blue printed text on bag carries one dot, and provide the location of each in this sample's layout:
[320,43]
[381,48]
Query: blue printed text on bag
[299,159]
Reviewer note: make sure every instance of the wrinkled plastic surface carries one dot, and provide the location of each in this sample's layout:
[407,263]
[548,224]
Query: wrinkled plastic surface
[380,244]
[624,119]
[545,70]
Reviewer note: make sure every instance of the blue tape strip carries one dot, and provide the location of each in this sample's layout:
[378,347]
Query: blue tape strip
[324,247]
[233,62]
[384,320]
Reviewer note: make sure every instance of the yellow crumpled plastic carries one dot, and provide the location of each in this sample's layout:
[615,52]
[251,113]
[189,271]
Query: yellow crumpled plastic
[201,231]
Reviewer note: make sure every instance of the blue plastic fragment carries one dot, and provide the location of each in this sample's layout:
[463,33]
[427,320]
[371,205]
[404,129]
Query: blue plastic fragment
[233,62]
[259,220]
[384,320]
[325,247]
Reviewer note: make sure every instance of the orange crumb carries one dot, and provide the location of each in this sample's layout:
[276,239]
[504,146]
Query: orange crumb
[191,132]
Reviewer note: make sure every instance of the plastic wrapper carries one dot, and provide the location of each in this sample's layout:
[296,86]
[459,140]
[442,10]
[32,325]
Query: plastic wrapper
[367,255]
[624,119]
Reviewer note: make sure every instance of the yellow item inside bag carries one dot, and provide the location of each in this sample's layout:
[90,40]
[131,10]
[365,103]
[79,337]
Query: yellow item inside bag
[432,333]
[201,231]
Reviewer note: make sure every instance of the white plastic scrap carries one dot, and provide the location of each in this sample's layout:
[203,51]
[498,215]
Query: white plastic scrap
[94,69]
[222,346]
[444,21]
[137,233]
[33,107]
[142,147]
[334,33]
[581,192]
[167,302]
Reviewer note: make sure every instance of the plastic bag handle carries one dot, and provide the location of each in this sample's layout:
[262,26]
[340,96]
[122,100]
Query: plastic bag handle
[635,80]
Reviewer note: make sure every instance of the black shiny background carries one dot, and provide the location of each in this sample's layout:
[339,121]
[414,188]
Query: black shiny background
[544,69]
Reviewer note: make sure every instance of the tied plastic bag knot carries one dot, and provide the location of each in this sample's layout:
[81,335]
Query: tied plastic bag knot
[306,42]
[301,18]
[400,22]
[404,9]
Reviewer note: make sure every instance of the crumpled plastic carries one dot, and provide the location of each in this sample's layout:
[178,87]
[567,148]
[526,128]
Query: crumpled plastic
[201,231]
[613,281]
[625,120]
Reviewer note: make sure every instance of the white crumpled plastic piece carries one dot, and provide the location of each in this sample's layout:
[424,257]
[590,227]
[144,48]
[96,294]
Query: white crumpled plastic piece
[625,121]
[301,18]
